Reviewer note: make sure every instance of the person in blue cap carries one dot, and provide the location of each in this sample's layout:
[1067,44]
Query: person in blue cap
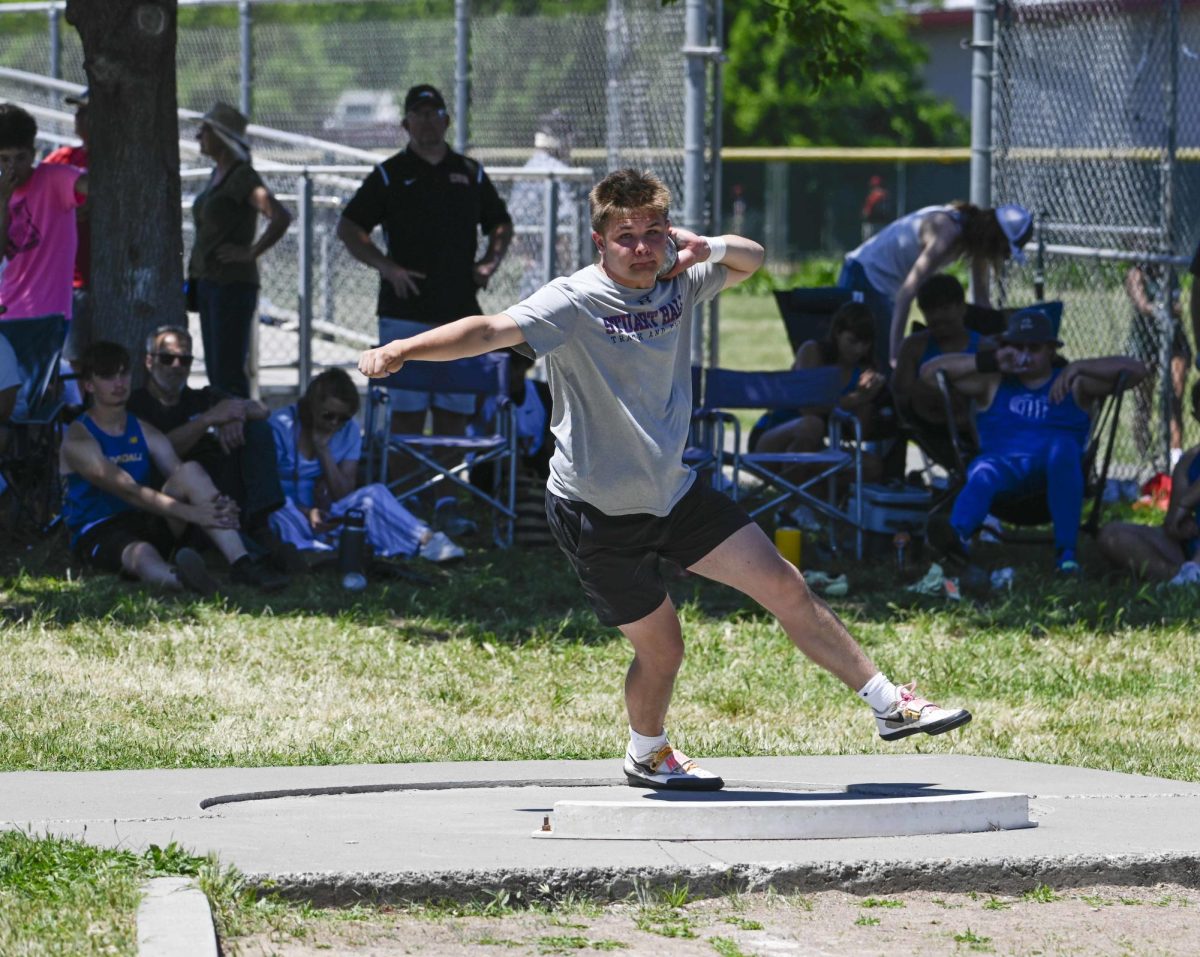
[890,267]
[1033,415]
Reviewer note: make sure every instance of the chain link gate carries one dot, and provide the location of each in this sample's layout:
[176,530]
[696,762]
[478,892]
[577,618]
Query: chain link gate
[1096,111]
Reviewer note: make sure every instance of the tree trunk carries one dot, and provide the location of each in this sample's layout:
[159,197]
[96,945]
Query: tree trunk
[137,242]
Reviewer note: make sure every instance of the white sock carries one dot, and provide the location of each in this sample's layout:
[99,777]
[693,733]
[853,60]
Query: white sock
[879,693]
[644,746]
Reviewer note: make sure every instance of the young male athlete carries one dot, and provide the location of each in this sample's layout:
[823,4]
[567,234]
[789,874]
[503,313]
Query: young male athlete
[616,337]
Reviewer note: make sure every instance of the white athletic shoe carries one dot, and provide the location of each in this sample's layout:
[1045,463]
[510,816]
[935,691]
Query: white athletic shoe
[910,714]
[439,548]
[669,770]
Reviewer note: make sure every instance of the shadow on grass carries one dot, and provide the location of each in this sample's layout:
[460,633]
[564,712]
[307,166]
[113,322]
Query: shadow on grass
[519,595]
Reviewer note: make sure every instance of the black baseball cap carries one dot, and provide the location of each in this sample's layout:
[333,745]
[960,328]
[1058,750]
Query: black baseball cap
[1029,325]
[423,95]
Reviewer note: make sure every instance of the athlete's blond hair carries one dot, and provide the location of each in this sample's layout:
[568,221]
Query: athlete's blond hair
[624,192]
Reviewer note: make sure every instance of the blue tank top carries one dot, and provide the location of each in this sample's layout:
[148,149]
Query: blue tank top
[932,351]
[1022,421]
[85,504]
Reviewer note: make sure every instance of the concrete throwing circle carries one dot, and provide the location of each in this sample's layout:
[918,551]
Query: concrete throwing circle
[598,810]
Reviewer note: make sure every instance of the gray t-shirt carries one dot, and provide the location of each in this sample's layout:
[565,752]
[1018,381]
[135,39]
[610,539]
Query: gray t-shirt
[619,366]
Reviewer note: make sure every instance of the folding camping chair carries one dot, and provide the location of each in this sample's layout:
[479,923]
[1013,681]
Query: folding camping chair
[483,376]
[30,462]
[817,389]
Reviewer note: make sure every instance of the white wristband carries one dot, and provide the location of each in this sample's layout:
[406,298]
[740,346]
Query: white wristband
[717,248]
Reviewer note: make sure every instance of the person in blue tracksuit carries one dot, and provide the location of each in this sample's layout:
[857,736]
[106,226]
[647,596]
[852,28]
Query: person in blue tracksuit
[1033,417]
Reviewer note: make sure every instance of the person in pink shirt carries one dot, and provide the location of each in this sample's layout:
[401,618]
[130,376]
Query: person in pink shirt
[37,223]
[77,156]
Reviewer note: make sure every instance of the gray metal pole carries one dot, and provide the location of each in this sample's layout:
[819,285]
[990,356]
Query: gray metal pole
[982,71]
[715,141]
[695,51]
[614,32]
[55,17]
[246,49]
[550,229]
[1168,291]
[305,291]
[462,74]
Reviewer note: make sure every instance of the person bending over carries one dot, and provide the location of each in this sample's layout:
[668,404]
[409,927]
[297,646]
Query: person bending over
[121,524]
[617,342]
[890,267]
[1033,418]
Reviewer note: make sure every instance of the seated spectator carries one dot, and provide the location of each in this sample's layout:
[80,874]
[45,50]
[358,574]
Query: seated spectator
[37,223]
[849,345]
[1167,553]
[943,303]
[228,436]
[318,445]
[1033,419]
[118,521]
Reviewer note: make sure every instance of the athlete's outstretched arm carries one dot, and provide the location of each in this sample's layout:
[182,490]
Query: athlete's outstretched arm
[470,336]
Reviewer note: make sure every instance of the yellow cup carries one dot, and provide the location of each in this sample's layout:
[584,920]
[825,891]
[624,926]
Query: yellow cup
[787,542]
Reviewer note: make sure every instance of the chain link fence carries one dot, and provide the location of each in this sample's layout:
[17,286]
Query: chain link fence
[1096,115]
[611,82]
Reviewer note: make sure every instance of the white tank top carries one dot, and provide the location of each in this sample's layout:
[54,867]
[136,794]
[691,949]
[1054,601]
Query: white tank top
[889,255]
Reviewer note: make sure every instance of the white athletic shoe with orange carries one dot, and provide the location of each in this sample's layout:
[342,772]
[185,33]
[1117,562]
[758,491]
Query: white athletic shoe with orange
[669,770]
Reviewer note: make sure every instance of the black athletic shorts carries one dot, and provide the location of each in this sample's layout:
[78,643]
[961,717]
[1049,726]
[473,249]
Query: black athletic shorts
[616,556]
[102,544]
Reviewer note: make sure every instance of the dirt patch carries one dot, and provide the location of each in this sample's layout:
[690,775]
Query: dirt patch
[1117,921]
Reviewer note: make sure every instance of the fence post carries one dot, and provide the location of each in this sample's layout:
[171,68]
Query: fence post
[614,58]
[983,50]
[694,193]
[1170,285]
[246,47]
[54,14]
[550,228]
[462,74]
[304,299]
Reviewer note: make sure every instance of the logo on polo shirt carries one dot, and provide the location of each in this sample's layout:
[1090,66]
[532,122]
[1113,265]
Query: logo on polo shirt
[460,179]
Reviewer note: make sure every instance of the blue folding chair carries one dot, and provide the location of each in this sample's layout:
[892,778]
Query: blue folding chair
[30,463]
[483,376]
[817,389]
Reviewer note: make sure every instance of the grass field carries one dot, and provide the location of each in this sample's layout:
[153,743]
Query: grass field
[500,659]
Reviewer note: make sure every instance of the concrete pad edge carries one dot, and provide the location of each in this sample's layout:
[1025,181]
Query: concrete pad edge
[174,920]
[997,875]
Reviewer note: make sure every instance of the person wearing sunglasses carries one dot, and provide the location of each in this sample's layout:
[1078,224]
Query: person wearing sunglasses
[1033,416]
[227,435]
[318,445]
[1169,552]
[122,519]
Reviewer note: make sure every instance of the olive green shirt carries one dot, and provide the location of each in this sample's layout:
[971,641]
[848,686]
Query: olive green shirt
[223,214]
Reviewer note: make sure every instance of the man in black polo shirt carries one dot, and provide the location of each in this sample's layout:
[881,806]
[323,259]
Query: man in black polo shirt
[228,436]
[430,202]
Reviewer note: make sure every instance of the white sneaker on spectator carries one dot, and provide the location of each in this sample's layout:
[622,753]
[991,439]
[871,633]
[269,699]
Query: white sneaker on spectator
[439,548]
[1188,574]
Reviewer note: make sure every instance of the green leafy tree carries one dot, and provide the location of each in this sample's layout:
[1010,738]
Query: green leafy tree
[830,73]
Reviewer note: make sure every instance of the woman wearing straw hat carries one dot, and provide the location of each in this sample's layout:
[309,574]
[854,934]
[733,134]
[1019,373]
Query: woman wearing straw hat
[222,269]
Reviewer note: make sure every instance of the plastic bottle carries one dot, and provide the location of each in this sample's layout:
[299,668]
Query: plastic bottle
[901,542]
[352,551]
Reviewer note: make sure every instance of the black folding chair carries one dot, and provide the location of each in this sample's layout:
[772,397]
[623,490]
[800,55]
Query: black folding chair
[483,376]
[30,462]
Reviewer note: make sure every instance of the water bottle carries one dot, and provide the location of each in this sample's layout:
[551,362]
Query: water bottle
[352,551]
